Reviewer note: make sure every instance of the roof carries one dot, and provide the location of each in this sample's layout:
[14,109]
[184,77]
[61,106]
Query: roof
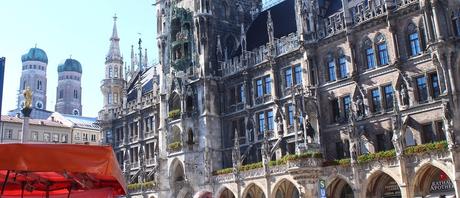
[92,167]
[42,122]
[83,122]
[35,54]
[147,79]
[36,113]
[70,65]
[284,22]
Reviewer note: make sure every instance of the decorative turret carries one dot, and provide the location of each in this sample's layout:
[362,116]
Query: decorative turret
[113,83]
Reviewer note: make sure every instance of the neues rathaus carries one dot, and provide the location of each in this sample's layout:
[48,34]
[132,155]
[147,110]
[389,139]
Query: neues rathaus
[290,98]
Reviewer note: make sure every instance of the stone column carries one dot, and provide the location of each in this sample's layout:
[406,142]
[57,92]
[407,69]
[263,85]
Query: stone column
[435,6]
[25,124]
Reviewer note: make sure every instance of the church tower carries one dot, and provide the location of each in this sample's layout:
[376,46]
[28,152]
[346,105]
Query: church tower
[113,83]
[34,65]
[68,92]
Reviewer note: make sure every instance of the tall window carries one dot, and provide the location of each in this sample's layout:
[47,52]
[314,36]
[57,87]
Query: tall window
[110,98]
[240,93]
[370,57]
[335,109]
[110,72]
[298,74]
[270,120]
[388,90]
[268,85]
[456,22]
[382,50]
[339,150]
[376,106]
[116,72]
[343,66]
[422,89]
[39,85]
[75,94]
[428,133]
[291,114]
[288,77]
[414,41]
[263,86]
[331,68]
[61,94]
[260,89]
[261,122]
[346,106]
[435,85]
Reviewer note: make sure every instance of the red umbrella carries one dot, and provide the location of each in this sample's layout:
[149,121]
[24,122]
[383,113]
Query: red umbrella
[56,170]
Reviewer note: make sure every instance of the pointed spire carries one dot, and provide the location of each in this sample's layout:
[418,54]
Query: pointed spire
[114,51]
[133,59]
[141,68]
[146,60]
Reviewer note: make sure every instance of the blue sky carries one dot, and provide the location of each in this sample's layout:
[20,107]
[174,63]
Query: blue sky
[80,28]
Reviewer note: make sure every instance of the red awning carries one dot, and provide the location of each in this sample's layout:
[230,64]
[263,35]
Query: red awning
[56,169]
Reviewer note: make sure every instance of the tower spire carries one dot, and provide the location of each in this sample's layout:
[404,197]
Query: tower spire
[114,51]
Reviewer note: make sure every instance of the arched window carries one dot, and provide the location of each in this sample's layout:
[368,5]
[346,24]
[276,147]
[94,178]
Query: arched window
[110,98]
[456,22]
[116,72]
[75,94]
[330,67]
[409,137]
[110,72]
[39,85]
[190,137]
[369,52]
[382,50]
[225,10]
[61,94]
[229,46]
[343,64]
[414,40]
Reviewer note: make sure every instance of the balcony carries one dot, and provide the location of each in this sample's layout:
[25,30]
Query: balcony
[175,147]
[174,114]
[141,187]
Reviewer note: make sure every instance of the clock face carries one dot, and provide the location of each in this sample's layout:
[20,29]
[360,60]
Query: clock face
[76,112]
[39,105]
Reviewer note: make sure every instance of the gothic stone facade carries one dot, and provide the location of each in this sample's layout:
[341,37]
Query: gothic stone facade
[347,79]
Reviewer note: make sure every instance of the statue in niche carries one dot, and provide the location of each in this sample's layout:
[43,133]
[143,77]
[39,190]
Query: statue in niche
[359,105]
[448,124]
[309,130]
[353,152]
[404,94]
[397,136]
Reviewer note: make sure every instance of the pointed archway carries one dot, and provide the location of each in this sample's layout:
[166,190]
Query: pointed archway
[382,185]
[431,181]
[286,189]
[339,188]
[253,191]
[226,193]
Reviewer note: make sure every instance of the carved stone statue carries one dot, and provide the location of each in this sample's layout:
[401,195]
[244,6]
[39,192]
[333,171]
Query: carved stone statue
[27,97]
[279,125]
[404,94]
[396,139]
[359,106]
[448,125]
[353,152]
